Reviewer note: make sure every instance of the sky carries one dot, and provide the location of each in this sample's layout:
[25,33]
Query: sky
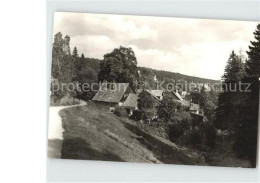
[195,47]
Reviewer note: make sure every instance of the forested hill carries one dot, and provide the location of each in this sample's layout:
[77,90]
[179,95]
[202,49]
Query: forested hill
[166,75]
[160,74]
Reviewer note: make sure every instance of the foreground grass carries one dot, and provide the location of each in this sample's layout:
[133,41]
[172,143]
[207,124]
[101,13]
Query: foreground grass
[223,155]
[92,134]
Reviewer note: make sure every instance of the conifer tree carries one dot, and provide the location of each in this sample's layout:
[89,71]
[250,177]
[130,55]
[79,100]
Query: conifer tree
[234,71]
[253,62]
[229,99]
[246,137]
[75,52]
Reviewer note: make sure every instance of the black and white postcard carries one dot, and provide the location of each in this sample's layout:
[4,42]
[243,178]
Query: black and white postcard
[154,90]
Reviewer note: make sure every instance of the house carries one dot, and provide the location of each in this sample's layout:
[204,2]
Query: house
[111,95]
[156,98]
[130,104]
[158,94]
[177,98]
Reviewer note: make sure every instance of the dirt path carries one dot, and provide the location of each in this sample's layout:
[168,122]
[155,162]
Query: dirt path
[55,130]
[55,123]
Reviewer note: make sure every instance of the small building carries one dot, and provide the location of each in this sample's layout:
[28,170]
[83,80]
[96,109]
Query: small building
[130,103]
[177,98]
[111,95]
[156,95]
[156,102]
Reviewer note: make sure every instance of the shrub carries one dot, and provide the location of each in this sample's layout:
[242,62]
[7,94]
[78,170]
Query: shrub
[64,101]
[183,131]
[190,138]
[144,115]
[179,124]
[210,133]
[137,115]
[120,111]
[195,137]
[203,137]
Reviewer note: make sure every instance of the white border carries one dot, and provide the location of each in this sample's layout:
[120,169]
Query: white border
[77,170]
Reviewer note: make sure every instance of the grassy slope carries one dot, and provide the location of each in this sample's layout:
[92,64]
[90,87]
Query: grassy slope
[96,135]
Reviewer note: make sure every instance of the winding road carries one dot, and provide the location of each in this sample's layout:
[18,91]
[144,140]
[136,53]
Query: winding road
[55,132]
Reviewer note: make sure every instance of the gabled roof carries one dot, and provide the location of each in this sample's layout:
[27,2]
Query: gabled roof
[111,92]
[157,93]
[177,95]
[153,95]
[131,101]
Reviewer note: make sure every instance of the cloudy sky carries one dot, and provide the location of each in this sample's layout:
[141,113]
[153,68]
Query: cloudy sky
[196,47]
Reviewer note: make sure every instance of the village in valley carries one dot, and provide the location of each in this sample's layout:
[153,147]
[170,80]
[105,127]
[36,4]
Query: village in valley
[113,95]
[112,109]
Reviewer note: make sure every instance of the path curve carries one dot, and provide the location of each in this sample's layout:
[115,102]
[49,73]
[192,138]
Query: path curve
[55,122]
[55,132]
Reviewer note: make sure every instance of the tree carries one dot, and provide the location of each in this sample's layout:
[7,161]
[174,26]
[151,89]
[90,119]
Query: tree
[145,101]
[167,108]
[246,137]
[229,100]
[75,52]
[82,57]
[146,106]
[213,96]
[234,71]
[87,74]
[199,97]
[253,62]
[79,64]
[119,66]
[203,92]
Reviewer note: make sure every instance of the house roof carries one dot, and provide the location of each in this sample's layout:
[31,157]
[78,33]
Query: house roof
[131,101]
[157,93]
[177,95]
[111,92]
[149,91]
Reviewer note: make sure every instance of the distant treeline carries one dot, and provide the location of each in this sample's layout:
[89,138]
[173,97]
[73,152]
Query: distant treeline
[164,75]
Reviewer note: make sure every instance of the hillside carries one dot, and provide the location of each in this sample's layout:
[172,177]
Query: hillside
[162,75]
[92,66]
[92,134]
